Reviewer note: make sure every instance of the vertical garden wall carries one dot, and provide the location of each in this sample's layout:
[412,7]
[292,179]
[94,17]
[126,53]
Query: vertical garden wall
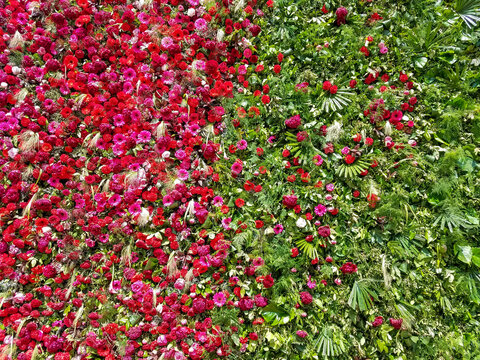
[239,179]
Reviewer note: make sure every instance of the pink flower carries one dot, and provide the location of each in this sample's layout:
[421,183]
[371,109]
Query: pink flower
[306,298]
[324,231]
[237,168]
[302,333]
[318,160]
[219,299]
[242,144]
[311,284]
[217,201]
[277,229]
[183,174]
[226,223]
[293,122]
[320,210]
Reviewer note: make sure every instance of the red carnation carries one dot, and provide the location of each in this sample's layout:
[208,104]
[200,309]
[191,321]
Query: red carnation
[348,268]
[378,321]
[268,281]
[290,201]
[396,323]
[293,122]
[306,298]
[326,85]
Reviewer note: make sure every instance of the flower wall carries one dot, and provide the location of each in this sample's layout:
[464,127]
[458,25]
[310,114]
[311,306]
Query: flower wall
[239,179]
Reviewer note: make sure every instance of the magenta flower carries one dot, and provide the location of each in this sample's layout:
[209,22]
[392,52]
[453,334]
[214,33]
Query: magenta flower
[302,333]
[219,299]
[277,229]
[320,210]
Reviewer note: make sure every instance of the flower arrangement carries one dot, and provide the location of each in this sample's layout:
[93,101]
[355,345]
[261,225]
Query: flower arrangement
[179,180]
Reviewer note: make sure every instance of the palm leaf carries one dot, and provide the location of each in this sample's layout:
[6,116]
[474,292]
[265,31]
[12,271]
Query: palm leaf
[452,217]
[361,296]
[468,11]
[335,102]
[350,171]
[330,343]
[470,284]
[308,248]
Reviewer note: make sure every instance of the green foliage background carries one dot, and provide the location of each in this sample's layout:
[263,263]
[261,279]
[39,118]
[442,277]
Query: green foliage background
[418,250]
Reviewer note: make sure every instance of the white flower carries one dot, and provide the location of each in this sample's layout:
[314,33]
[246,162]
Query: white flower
[301,222]
[166,155]
[191,12]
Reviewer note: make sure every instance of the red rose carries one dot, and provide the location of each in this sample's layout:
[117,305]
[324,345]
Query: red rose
[259,224]
[277,69]
[294,252]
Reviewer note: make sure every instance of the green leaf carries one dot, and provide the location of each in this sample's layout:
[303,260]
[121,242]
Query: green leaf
[361,296]
[275,315]
[469,11]
[476,256]
[420,62]
[464,253]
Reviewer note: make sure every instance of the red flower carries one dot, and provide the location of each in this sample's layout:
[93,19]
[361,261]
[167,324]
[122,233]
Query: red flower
[239,202]
[349,159]
[333,89]
[268,281]
[295,252]
[396,323]
[293,122]
[70,62]
[306,298]
[378,321]
[277,69]
[259,224]
[326,85]
[348,268]
[290,201]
